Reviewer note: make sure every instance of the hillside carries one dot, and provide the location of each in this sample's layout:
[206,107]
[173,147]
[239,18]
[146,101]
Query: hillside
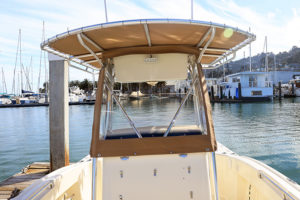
[285,61]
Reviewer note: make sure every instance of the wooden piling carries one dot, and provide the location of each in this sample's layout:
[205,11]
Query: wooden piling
[240,90]
[58,112]
[293,89]
[221,92]
[212,92]
[279,89]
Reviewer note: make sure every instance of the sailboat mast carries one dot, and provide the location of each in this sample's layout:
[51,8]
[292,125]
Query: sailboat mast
[30,71]
[45,63]
[250,58]
[245,61]
[40,68]
[21,62]
[4,82]
[15,68]
[266,58]
[105,10]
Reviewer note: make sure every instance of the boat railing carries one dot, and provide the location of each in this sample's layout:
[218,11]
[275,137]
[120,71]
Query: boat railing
[268,179]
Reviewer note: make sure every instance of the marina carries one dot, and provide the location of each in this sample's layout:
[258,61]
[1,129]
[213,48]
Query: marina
[172,110]
[124,150]
[280,151]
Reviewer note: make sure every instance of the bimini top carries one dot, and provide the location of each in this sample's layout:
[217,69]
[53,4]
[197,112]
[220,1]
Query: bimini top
[149,36]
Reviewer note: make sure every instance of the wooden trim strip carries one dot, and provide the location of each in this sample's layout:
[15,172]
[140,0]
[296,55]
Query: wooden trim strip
[97,113]
[155,145]
[207,107]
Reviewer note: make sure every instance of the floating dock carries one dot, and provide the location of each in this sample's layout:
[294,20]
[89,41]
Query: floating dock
[13,185]
[42,104]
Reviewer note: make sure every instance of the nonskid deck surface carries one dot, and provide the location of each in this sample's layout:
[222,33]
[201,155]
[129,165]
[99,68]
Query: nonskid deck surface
[13,185]
[154,131]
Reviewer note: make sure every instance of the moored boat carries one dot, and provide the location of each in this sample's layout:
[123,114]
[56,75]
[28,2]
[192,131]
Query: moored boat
[157,162]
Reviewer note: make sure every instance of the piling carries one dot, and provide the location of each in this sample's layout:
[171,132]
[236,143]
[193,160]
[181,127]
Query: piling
[221,92]
[279,89]
[212,92]
[293,89]
[58,112]
[240,90]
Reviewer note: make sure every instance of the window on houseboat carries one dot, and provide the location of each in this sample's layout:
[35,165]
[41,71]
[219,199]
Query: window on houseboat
[252,81]
[267,83]
[236,79]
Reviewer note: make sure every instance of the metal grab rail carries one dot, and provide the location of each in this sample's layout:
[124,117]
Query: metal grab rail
[262,176]
[38,194]
[94,179]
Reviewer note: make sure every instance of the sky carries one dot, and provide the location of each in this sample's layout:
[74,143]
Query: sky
[277,19]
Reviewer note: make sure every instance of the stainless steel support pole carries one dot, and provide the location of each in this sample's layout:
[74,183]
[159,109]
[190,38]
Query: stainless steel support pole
[94,179]
[215,175]
[124,112]
[192,9]
[176,114]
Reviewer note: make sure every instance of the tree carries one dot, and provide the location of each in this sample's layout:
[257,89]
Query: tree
[86,85]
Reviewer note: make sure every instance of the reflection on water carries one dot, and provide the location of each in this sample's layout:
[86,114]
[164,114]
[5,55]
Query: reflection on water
[269,132]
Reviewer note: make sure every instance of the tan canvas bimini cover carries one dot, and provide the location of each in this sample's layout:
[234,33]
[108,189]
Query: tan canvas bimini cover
[151,36]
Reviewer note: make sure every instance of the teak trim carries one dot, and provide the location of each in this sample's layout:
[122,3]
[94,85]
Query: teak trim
[207,107]
[97,112]
[154,145]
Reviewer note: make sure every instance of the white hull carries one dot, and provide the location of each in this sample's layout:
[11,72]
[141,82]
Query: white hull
[5,101]
[166,177]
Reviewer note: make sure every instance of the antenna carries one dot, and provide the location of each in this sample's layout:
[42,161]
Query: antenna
[105,11]
[192,14]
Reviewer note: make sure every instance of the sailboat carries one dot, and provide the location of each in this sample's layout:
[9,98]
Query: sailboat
[169,162]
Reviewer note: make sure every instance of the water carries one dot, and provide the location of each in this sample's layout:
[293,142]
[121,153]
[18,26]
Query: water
[269,132]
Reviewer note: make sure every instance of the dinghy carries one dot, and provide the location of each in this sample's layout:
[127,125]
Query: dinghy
[157,162]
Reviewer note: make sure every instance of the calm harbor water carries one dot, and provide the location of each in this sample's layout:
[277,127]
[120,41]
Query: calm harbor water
[269,132]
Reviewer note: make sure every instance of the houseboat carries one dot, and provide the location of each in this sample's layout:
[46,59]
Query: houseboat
[171,162]
[247,86]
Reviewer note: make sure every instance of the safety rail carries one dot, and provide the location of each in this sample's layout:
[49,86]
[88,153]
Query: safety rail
[285,193]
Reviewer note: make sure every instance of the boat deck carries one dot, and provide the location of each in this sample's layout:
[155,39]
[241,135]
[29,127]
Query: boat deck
[13,185]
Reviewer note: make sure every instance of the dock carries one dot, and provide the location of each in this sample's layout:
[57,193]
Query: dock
[13,185]
[43,104]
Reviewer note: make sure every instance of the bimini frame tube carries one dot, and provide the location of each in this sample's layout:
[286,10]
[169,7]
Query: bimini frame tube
[97,116]
[179,109]
[213,32]
[124,112]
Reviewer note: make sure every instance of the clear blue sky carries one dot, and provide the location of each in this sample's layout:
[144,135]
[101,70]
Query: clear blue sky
[277,19]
